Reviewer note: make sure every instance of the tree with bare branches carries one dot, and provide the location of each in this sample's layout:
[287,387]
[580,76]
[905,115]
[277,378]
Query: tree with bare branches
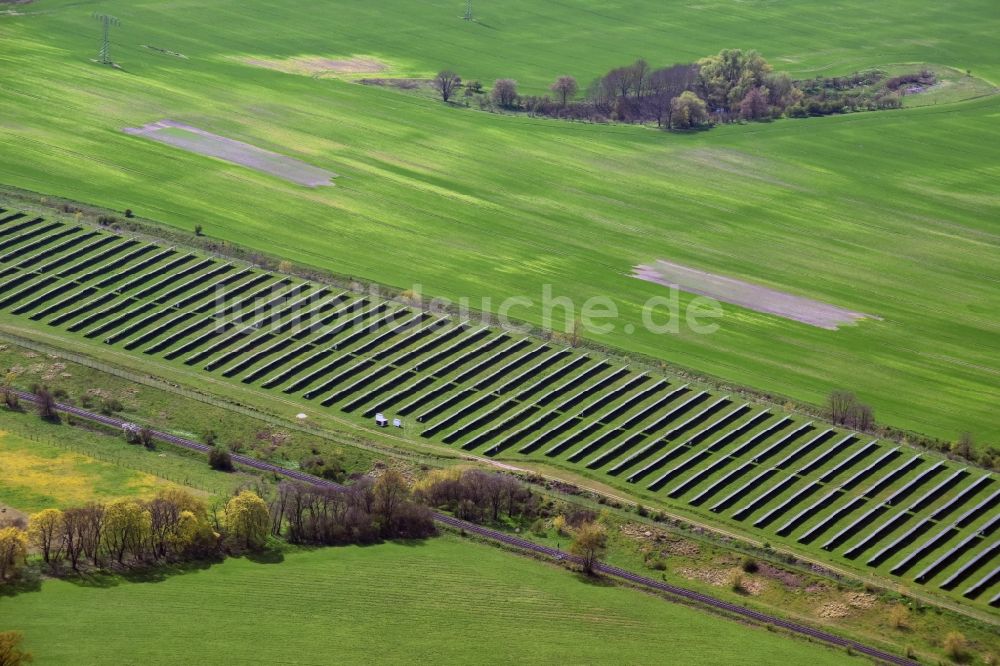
[566,88]
[446,83]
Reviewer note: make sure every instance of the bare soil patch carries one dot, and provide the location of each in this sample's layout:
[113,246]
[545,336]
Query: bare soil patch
[205,143]
[11,516]
[319,66]
[747,295]
[723,577]
[851,604]
[787,578]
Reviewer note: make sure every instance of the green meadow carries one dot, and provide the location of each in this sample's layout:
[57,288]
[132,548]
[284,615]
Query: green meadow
[393,603]
[891,213]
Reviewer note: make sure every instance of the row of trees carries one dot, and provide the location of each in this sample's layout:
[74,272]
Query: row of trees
[173,526]
[476,495]
[733,84]
[369,510]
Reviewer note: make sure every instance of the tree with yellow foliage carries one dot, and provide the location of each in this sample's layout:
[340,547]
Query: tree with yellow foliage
[127,526]
[589,543]
[247,521]
[45,532]
[11,653]
[13,550]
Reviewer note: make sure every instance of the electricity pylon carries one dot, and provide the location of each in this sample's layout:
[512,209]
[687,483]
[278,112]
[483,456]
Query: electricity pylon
[104,57]
[468,10]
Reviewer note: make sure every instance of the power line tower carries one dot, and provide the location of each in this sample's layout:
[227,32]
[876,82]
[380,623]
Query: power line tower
[468,10]
[106,21]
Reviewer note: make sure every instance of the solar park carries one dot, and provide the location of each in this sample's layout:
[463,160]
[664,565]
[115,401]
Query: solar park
[783,477]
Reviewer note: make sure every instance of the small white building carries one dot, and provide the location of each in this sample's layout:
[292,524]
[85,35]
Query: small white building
[380,420]
[398,423]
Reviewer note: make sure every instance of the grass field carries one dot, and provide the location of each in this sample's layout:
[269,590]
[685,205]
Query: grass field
[437,600]
[38,475]
[58,466]
[886,213]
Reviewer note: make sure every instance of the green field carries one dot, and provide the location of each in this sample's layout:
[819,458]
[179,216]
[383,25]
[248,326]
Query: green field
[886,213]
[57,466]
[436,600]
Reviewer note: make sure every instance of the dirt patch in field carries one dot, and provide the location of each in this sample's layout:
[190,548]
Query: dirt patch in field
[11,516]
[786,578]
[663,542]
[747,295]
[319,66]
[199,141]
[852,602]
[722,578]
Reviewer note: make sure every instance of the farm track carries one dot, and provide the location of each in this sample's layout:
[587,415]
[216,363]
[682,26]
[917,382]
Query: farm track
[508,398]
[522,544]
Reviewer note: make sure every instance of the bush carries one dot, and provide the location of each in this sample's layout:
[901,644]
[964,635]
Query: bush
[129,213]
[10,399]
[956,646]
[46,404]
[327,467]
[749,565]
[737,583]
[106,220]
[220,460]
[198,230]
[111,405]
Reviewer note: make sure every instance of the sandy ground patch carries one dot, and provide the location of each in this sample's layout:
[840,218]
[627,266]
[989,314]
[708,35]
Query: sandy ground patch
[11,516]
[747,295]
[205,143]
[852,602]
[722,578]
[318,65]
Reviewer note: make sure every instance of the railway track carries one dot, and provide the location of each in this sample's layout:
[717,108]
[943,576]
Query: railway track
[517,542]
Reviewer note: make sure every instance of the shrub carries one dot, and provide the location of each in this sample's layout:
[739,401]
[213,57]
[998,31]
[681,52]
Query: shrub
[11,653]
[129,213]
[198,230]
[46,404]
[749,565]
[10,399]
[106,220]
[956,646]
[220,460]
[111,405]
[899,617]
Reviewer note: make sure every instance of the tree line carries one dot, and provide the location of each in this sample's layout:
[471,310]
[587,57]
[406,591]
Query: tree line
[367,511]
[734,84]
[173,526]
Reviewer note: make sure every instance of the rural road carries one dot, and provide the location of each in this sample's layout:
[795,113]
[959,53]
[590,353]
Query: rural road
[517,542]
